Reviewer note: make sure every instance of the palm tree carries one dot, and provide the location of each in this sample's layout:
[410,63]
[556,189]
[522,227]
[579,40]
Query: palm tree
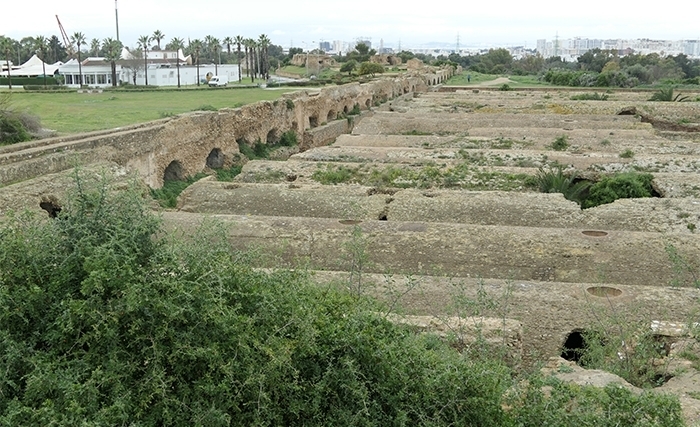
[196,48]
[250,58]
[79,38]
[40,45]
[239,41]
[176,44]
[216,47]
[228,41]
[113,51]
[95,47]
[157,36]
[264,42]
[143,42]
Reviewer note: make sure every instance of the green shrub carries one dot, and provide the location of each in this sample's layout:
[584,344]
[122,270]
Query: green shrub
[627,154]
[11,129]
[288,139]
[595,96]
[555,181]
[167,195]
[505,87]
[206,107]
[561,143]
[107,320]
[289,103]
[620,186]
[666,95]
[333,175]
[355,110]
[227,175]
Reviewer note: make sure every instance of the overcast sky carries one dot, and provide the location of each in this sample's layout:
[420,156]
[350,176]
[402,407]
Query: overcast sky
[306,22]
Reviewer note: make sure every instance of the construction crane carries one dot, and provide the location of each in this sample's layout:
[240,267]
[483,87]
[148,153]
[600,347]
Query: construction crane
[66,40]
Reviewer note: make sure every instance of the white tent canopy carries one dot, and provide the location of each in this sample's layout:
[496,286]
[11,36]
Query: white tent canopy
[35,67]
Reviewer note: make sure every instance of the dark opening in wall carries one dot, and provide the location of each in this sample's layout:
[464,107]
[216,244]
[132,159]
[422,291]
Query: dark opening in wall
[273,137]
[51,207]
[215,159]
[332,115]
[574,346]
[313,121]
[174,172]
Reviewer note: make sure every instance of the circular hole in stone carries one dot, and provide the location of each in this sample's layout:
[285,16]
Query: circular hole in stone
[604,291]
[595,233]
[349,221]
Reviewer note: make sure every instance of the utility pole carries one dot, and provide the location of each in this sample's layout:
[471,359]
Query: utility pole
[116,17]
[457,49]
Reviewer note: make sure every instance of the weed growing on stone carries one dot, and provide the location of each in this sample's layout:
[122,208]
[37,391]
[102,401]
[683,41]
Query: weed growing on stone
[627,154]
[595,96]
[167,195]
[561,143]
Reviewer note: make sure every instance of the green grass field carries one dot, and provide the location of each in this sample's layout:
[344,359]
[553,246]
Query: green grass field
[81,112]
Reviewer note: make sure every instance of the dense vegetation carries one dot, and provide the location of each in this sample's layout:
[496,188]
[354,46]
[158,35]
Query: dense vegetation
[107,320]
[15,126]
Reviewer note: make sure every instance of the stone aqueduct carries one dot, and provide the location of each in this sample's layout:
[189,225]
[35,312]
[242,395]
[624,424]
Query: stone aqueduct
[184,145]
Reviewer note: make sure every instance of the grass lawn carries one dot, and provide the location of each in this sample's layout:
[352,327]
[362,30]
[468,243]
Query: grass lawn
[81,112]
[476,78]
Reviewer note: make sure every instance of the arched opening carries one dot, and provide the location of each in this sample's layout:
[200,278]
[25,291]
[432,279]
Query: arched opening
[51,206]
[574,346]
[313,121]
[273,136]
[367,103]
[345,110]
[215,159]
[174,172]
[332,115]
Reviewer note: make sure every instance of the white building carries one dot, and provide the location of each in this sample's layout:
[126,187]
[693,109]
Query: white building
[96,72]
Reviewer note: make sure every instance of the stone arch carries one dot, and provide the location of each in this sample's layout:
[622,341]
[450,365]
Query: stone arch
[313,121]
[367,103]
[216,159]
[345,109]
[174,172]
[273,136]
[332,115]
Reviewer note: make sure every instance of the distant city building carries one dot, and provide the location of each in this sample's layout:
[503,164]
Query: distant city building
[570,49]
[325,46]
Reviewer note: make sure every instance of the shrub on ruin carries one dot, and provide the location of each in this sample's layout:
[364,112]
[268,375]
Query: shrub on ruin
[288,139]
[14,127]
[561,143]
[619,186]
[108,320]
[554,180]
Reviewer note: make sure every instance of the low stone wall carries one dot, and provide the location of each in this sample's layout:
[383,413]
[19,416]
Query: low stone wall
[183,144]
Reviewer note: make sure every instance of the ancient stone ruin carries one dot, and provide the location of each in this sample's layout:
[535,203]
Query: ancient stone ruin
[427,197]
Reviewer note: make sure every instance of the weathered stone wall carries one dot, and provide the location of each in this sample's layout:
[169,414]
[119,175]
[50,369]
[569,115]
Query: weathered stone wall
[187,140]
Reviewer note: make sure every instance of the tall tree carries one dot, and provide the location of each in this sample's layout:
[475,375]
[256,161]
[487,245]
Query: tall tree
[196,49]
[239,41]
[264,42]
[228,41]
[213,46]
[78,39]
[40,46]
[158,36]
[6,46]
[250,58]
[143,42]
[113,51]
[57,52]
[176,44]
[95,47]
